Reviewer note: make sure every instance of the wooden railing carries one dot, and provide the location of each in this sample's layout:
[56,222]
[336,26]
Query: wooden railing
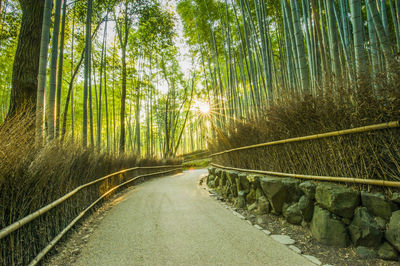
[374,182]
[31,217]
[393,124]
[388,125]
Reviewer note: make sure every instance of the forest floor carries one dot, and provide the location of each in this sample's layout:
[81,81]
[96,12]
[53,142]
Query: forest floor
[170,221]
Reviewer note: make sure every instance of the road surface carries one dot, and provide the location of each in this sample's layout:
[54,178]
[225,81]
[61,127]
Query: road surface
[172,221]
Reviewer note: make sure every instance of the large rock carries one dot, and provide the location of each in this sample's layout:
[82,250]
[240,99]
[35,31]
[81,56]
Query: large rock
[252,207]
[211,181]
[224,173]
[241,200]
[364,231]
[387,252]
[279,191]
[211,170]
[376,204]
[394,207]
[308,188]
[259,192]
[263,205]
[306,206]
[253,179]
[244,183]
[292,213]
[294,192]
[328,230]
[339,199]
[217,180]
[275,191]
[251,196]
[395,197]
[227,190]
[392,234]
[223,179]
[381,223]
[231,176]
[218,172]
[233,190]
[366,253]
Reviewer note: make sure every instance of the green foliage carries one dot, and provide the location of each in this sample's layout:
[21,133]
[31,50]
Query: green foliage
[202,163]
[156,29]
[205,16]
[10,21]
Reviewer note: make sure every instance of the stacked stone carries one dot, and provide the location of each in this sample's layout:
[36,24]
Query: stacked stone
[337,215]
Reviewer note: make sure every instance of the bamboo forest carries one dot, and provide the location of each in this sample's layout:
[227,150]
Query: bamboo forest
[99,94]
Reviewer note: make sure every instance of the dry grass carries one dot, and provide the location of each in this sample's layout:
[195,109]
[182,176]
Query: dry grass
[30,180]
[374,155]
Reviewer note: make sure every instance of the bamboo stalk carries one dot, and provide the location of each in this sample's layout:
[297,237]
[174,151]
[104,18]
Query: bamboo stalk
[393,124]
[374,182]
[18,224]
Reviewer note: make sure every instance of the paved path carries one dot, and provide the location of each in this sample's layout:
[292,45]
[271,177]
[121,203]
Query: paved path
[171,221]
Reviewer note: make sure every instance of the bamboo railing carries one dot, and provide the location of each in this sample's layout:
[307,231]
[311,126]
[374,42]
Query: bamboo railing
[376,182]
[18,224]
[393,124]
[189,158]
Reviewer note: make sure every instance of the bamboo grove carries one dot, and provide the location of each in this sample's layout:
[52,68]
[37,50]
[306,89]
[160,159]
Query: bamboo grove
[253,52]
[108,77]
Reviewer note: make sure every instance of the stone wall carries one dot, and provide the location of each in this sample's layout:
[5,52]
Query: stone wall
[336,214]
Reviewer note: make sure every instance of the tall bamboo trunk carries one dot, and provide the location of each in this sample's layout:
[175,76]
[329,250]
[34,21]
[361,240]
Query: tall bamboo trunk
[87,74]
[359,52]
[44,46]
[300,46]
[333,38]
[53,72]
[60,69]
[137,118]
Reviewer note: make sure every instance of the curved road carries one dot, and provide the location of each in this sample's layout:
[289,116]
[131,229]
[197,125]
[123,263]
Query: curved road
[171,221]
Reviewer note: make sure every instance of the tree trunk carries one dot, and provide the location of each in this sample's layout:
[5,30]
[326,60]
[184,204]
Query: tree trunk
[356,19]
[137,116]
[26,61]
[74,72]
[123,100]
[123,32]
[373,43]
[333,40]
[302,63]
[395,24]
[60,69]
[380,31]
[44,46]
[53,71]
[87,75]
[103,52]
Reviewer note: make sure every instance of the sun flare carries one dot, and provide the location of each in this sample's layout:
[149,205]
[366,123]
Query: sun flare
[203,107]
